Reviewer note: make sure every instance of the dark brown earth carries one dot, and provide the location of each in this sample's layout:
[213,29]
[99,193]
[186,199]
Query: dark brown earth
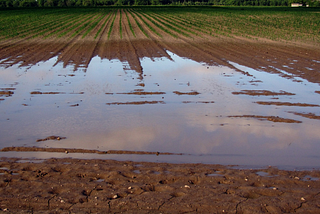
[106,186]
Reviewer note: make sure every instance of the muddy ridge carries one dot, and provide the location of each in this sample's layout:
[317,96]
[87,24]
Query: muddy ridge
[307,115]
[71,150]
[136,103]
[262,93]
[286,104]
[275,119]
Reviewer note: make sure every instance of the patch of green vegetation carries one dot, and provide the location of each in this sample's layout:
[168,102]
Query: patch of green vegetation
[75,26]
[111,26]
[120,24]
[138,24]
[130,26]
[146,23]
[159,26]
[104,24]
[93,25]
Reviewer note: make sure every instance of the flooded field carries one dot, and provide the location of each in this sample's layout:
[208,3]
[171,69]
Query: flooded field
[127,85]
[198,111]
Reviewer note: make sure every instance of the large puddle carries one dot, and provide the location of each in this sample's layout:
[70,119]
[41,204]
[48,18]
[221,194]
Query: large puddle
[211,114]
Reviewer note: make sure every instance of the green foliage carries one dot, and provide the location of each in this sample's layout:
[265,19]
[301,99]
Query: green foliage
[130,26]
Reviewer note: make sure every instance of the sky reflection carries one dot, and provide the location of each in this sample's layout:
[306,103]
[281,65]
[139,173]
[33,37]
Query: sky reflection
[192,124]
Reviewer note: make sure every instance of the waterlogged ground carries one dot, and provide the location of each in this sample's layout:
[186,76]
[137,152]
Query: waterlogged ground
[171,103]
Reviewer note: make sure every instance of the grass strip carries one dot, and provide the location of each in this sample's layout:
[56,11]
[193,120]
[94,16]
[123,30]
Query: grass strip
[64,26]
[103,25]
[93,25]
[111,26]
[130,26]
[75,26]
[120,24]
[138,24]
[168,26]
[146,23]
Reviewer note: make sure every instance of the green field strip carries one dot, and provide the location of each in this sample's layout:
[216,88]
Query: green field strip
[63,26]
[47,28]
[138,24]
[174,23]
[167,26]
[33,19]
[84,25]
[103,25]
[75,25]
[34,27]
[112,23]
[207,27]
[18,22]
[185,22]
[93,25]
[130,26]
[146,23]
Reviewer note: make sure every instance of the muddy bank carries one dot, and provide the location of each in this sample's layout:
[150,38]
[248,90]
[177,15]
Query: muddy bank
[96,186]
[70,150]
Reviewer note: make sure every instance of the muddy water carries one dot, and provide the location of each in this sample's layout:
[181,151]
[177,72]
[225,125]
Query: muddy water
[176,105]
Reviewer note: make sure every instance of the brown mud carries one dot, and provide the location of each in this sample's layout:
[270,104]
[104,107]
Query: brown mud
[286,104]
[261,93]
[53,92]
[144,93]
[275,119]
[186,93]
[70,150]
[136,103]
[106,186]
[307,115]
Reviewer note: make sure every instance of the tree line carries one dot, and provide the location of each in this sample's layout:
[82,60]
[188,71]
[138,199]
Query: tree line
[97,3]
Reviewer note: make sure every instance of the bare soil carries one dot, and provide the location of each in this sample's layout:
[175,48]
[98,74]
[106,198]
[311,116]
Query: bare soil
[106,186]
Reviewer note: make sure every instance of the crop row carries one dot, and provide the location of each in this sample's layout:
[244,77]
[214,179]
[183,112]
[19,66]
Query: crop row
[178,22]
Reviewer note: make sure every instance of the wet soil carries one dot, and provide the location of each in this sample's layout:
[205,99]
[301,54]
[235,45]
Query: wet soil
[287,104]
[106,186]
[307,115]
[136,103]
[275,119]
[261,93]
